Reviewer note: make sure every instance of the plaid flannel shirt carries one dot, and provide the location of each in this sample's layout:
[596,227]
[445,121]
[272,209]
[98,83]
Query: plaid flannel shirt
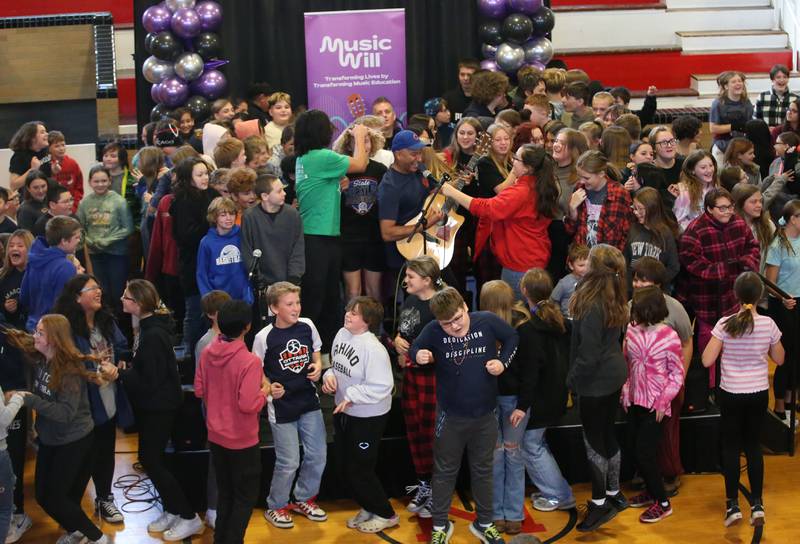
[772,108]
[713,255]
[614,222]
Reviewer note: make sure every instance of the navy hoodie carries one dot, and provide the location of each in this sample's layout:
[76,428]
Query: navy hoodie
[220,265]
[47,271]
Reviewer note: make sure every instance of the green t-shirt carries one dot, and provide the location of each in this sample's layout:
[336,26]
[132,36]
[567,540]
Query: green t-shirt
[317,184]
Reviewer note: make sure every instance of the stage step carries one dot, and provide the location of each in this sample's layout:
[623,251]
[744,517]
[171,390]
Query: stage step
[694,4]
[732,40]
[706,84]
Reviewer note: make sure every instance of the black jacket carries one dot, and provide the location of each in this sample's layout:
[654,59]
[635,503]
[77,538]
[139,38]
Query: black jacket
[597,367]
[189,225]
[547,350]
[152,380]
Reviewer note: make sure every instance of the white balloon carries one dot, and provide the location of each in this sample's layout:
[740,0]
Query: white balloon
[173,5]
[156,70]
[509,57]
[189,66]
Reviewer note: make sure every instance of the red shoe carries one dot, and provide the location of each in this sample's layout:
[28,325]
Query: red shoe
[655,513]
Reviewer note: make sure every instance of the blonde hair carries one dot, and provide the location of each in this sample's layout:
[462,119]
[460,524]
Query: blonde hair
[345,144]
[604,285]
[555,79]
[455,150]
[274,98]
[501,163]
[279,289]
[27,239]
[219,205]
[498,297]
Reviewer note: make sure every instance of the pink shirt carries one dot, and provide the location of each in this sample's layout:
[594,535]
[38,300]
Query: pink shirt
[744,359]
[655,367]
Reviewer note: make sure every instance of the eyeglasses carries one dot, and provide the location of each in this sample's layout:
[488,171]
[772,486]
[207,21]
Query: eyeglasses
[90,289]
[515,158]
[667,143]
[456,319]
[38,334]
[126,297]
[724,209]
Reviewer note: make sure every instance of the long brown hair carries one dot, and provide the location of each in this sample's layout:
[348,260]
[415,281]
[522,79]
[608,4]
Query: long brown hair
[748,288]
[615,143]
[497,297]
[27,239]
[656,218]
[736,147]
[542,180]
[537,286]
[693,185]
[577,145]
[455,149]
[762,224]
[66,361]
[595,162]
[603,285]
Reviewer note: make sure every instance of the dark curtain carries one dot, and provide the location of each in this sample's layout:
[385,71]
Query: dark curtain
[264,41]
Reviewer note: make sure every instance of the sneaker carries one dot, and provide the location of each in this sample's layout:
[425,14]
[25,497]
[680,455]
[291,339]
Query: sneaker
[163,522]
[618,501]
[211,518]
[443,536]
[376,524]
[732,514]
[546,504]
[500,525]
[596,515]
[184,528]
[757,514]
[641,500]
[656,513]
[360,517]
[71,538]
[309,509]
[280,518]
[108,511]
[104,539]
[487,535]
[425,511]
[513,527]
[422,496]
[19,524]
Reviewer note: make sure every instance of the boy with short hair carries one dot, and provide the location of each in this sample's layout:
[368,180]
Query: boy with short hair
[63,168]
[541,109]
[576,104]
[7,225]
[577,262]
[219,257]
[772,105]
[555,79]
[51,263]
[464,348]
[230,381]
[59,202]
[256,153]
[600,103]
[229,153]
[241,189]
[290,351]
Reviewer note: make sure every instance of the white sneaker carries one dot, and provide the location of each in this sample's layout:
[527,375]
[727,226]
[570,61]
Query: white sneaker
[102,540]
[163,522]
[184,528]
[71,538]
[360,517]
[211,518]
[19,524]
[376,524]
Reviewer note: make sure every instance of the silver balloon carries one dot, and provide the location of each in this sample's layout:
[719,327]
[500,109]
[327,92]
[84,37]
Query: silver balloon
[509,57]
[488,50]
[189,66]
[155,70]
[538,50]
[173,5]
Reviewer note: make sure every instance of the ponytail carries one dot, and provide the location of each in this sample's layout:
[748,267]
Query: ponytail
[549,312]
[748,288]
[740,324]
[790,209]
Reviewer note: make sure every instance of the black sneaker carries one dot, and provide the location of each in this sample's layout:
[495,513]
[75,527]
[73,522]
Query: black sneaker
[596,515]
[107,510]
[732,513]
[618,501]
[757,514]
[487,535]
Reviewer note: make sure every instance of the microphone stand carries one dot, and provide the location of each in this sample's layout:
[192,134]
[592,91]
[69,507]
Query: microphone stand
[423,218]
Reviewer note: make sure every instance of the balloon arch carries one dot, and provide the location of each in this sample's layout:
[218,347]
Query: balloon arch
[514,34]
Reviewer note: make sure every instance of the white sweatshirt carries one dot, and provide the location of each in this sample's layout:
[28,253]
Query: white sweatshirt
[363,373]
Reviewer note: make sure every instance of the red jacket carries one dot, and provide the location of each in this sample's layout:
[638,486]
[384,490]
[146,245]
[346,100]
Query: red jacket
[71,177]
[163,255]
[519,237]
[614,222]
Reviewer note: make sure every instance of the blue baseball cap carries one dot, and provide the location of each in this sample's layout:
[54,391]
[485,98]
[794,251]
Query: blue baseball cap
[406,139]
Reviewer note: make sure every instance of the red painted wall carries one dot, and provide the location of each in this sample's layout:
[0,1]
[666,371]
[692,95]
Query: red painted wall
[122,10]
[620,3]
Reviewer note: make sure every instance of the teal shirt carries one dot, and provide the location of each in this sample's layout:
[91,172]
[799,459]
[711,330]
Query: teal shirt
[317,184]
[788,264]
[107,223]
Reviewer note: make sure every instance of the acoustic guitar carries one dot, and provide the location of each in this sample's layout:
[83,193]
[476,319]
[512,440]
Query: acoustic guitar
[438,241]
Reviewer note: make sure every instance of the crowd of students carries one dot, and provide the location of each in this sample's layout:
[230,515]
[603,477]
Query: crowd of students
[579,226]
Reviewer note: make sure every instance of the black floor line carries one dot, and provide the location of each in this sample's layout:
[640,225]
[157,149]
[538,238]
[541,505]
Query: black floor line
[573,519]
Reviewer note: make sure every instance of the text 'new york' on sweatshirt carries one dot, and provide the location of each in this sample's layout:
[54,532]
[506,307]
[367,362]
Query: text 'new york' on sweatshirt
[463,385]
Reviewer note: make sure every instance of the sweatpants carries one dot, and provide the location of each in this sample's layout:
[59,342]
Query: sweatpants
[669,449]
[321,300]
[61,476]
[238,480]
[155,429]
[17,441]
[646,434]
[741,416]
[103,461]
[419,413]
[453,435]
[789,324]
[602,450]
[356,443]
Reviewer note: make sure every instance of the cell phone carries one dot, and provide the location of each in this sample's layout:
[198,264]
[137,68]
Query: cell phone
[789,161]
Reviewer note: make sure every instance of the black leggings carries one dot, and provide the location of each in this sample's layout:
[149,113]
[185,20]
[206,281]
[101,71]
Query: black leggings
[788,322]
[17,441]
[646,434]
[61,476]
[597,416]
[103,461]
[321,300]
[741,416]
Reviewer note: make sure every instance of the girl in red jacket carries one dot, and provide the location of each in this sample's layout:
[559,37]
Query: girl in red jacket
[518,216]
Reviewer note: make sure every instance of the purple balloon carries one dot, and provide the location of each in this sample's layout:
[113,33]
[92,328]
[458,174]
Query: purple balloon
[493,9]
[488,50]
[155,93]
[174,91]
[538,65]
[212,84]
[156,18]
[186,23]
[210,14]
[528,7]
[489,64]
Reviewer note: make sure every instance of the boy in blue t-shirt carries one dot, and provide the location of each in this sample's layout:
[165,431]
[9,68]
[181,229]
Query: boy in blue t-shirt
[290,349]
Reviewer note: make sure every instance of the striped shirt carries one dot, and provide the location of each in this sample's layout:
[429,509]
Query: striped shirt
[744,359]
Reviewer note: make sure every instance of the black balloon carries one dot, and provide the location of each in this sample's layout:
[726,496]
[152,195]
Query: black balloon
[543,21]
[148,42]
[208,45]
[158,113]
[199,107]
[166,46]
[489,32]
[517,28]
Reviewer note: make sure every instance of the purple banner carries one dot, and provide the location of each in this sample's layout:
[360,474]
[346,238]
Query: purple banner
[352,58]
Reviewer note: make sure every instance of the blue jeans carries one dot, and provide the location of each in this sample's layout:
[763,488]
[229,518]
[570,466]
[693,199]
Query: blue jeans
[112,273]
[512,277]
[508,497]
[542,467]
[7,480]
[310,430]
[192,322]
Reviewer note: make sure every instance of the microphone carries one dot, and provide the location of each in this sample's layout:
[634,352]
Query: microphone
[254,264]
[427,174]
